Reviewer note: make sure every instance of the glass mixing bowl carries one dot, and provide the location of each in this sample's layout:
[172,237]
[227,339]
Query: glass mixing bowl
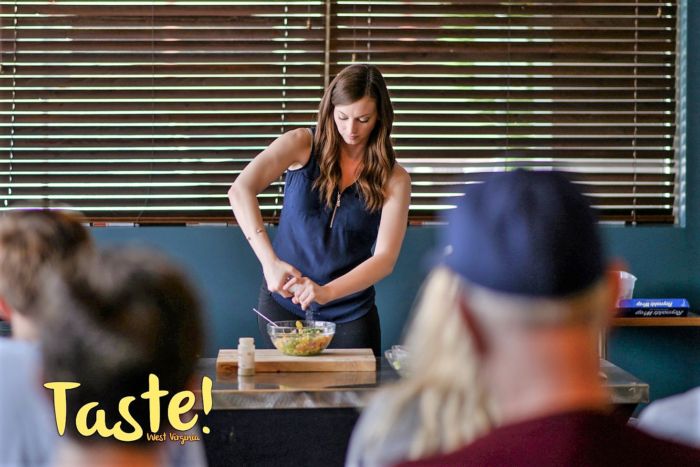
[301,338]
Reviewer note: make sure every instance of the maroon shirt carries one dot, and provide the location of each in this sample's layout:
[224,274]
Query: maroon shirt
[582,438]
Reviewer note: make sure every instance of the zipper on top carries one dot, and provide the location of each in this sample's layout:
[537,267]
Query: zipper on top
[337,205]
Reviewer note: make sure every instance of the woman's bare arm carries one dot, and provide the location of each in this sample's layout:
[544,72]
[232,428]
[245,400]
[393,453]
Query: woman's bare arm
[290,150]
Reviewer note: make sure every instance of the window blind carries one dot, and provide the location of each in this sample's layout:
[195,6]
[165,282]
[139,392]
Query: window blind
[145,111]
[587,87]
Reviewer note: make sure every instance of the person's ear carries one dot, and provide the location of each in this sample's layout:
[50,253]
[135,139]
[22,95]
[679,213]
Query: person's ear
[473,327]
[5,310]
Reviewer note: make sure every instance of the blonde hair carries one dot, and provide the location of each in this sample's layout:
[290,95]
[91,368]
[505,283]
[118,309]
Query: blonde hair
[350,85]
[443,383]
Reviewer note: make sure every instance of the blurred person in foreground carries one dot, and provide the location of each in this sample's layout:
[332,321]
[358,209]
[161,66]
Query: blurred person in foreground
[536,293]
[119,316]
[439,405]
[31,240]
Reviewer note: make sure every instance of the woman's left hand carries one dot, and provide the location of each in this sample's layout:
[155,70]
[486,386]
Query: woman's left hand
[307,291]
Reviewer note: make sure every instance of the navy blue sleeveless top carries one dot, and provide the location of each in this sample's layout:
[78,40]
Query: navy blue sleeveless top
[306,240]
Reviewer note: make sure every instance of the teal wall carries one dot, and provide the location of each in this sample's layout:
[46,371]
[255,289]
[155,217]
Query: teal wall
[666,261]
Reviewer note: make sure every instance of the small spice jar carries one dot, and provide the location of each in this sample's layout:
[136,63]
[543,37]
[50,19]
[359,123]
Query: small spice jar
[246,383]
[246,356]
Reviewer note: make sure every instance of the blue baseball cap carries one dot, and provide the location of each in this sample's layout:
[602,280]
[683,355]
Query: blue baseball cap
[525,233]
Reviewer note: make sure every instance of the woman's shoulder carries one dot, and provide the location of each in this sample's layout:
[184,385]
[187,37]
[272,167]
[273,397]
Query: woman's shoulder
[300,141]
[300,135]
[399,179]
[399,173]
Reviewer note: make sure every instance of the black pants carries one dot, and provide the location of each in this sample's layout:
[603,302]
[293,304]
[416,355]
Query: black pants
[362,333]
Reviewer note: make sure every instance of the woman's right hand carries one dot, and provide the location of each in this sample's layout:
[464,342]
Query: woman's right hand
[277,274]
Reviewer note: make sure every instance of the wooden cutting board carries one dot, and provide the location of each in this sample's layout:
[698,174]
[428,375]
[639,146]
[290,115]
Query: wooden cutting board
[272,360]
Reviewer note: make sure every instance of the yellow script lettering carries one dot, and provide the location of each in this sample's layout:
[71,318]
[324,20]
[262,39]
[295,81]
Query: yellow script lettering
[153,396]
[59,402]
[124,412]
[176,407]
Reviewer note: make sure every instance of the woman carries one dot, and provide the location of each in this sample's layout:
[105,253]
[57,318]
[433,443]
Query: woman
[440,405]
[344,193]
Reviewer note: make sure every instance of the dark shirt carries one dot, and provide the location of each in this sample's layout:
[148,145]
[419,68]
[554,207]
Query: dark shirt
[581,438]
[306,240]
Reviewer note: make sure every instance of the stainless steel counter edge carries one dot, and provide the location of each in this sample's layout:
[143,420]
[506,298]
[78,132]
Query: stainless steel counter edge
[256,400]
[226,395]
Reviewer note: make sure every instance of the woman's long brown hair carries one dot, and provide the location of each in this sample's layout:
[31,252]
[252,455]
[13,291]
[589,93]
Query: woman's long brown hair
[350,85]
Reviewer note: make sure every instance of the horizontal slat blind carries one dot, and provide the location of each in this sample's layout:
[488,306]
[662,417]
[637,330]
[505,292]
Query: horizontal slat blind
[147,110]
[480,86]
